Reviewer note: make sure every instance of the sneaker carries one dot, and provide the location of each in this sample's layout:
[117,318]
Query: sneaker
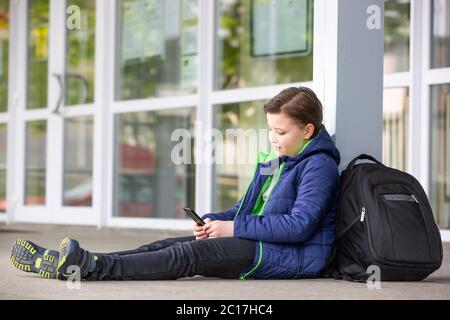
[29,257]
[70,254]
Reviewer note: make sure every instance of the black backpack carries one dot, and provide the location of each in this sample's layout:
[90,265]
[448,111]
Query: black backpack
[383,219]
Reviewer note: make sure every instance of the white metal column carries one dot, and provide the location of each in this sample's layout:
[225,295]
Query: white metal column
[416,60]
[103,58]
[204,171]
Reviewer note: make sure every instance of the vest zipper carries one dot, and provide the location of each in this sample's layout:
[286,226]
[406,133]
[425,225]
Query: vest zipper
[262,210]
[276,183]
[246,191]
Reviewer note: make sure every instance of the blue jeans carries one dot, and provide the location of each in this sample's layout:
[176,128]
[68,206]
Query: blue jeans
[175,258]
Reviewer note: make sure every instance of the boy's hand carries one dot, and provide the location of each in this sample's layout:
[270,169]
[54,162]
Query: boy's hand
[219,229]
[199,231]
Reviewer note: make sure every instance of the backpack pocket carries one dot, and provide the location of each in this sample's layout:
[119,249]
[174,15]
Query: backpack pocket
[407,228]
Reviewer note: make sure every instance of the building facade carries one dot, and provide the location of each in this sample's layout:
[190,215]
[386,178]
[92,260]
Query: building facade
[92,91]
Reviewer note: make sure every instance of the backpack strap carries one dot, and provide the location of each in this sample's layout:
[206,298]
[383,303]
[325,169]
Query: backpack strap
[363,157]
[347,228]
[353,273]
[330,269]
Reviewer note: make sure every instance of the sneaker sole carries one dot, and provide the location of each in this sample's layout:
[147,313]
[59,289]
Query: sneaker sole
[28,257]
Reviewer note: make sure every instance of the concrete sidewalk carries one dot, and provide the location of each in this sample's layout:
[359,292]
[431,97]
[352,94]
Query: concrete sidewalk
[19,285]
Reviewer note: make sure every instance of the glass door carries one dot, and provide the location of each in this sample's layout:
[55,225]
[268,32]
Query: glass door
[57,113]
[75,112]
[31,198]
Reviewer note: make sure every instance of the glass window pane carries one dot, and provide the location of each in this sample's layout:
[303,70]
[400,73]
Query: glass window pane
[157,53]
[38,32]
[148,182]
[35,162]
[78,157]
[3,162]
[263,42]
[4,54]
[395,128]
[397,35]
[80,55]
[440,154]
[243,128]
[440,40]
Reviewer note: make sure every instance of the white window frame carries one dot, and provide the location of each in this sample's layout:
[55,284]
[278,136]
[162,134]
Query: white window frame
[429,77]
[404,80]
[130,106]
[53,211]
[204,101]
[418,79]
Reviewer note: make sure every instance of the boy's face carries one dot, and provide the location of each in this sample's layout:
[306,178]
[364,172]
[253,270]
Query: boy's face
[285,135]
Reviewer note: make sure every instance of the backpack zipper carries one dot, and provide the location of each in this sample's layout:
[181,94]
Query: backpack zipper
[401,197]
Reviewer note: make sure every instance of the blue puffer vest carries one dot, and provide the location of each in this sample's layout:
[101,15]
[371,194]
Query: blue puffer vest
[295,233]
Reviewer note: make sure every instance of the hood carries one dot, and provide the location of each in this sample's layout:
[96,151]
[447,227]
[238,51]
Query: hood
[322,143]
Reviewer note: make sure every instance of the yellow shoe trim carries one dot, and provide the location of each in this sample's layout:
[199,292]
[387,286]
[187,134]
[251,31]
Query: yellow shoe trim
[38,262]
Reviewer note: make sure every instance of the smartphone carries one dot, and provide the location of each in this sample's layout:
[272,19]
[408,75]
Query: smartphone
[191,213]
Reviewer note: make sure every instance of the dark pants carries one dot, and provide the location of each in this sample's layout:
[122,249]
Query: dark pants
[175,258]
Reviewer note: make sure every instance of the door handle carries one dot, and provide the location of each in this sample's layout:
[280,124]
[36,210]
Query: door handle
[61,93]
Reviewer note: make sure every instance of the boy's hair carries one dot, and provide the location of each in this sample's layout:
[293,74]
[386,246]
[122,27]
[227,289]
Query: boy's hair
[299,104]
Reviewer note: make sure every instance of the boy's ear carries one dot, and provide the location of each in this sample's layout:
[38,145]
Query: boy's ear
[309,131]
